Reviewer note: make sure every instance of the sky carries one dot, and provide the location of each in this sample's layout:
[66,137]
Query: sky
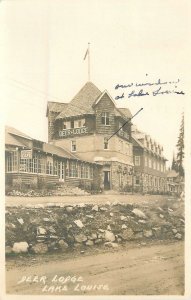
[43,43]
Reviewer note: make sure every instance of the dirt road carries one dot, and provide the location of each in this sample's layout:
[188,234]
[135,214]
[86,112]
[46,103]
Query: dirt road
[97,199]
[147,270]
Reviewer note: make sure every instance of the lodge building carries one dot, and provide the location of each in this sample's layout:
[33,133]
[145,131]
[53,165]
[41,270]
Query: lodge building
[33,163]
[88,148]
[86,127]
[149,163]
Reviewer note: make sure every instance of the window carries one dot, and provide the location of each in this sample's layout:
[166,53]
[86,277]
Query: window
[12,161]
[137,160]
[137,180]
[150,163]
[145,161]
[105,118]
[73,146]
[91,172]
[80,123]
[154,165]
[86,171]
[64,125]
[82,171]
[73,169]
[72,124]
[106,146]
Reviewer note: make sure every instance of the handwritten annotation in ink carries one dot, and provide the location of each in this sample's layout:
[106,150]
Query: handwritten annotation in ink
[148,88]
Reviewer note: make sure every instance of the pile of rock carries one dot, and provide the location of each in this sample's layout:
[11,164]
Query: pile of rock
[59,191]
[41,229]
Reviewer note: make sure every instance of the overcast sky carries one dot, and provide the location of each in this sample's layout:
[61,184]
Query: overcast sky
[44,43]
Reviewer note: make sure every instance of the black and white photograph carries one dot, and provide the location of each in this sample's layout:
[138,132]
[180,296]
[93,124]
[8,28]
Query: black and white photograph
[94,113]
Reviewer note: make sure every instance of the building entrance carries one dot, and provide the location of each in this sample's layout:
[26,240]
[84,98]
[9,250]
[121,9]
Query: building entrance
[106,180]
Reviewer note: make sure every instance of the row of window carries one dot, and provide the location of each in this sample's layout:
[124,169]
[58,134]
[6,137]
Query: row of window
[150,163]
[105,120]
[48,166]
[150,181]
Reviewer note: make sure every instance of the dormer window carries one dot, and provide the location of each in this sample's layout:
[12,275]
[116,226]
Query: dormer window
[105,118]
[64,125]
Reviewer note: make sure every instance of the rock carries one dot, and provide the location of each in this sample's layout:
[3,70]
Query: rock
[41,231]
[143,244]
[77,245]
[93,236]
[79,223]
[174,230]
[40,248]
[157,231]
[63,245]
[142,221]
[147,233]
[100,235]
[80,238]
[161,216]
[127,234]
[51,229]
[81,205]
[53,237]
[139,213]
[181,220]
[89,243]
[46,220]
[103,208]
[98,241]
[90,216]
[8,250]
[20,221]
[109,236]
[115,203]
[95,208]
[159,208]
[119,240]
[170,210]
[123,226]
[21,247]
[122,218]
[108,203]
[178,236]
[138,235]
[101,230]
[111,214]
[111,245]
[69,209]
[108,227]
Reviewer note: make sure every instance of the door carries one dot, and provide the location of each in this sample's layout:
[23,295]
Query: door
[106,180]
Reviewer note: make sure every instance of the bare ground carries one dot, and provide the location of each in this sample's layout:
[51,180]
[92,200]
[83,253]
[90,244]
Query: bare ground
[154,269]
[96,199]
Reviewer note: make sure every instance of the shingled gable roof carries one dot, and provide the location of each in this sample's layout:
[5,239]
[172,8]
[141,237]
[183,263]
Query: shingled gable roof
[82,102]
[56,107]
[15,132]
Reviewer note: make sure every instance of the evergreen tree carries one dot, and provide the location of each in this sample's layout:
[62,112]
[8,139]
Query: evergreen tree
[174,164]
[180,149]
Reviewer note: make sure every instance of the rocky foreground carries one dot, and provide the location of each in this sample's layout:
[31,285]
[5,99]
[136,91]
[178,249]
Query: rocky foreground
[40,229]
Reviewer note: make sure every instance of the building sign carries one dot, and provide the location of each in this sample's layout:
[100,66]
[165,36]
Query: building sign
[26,154]
[73,131]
